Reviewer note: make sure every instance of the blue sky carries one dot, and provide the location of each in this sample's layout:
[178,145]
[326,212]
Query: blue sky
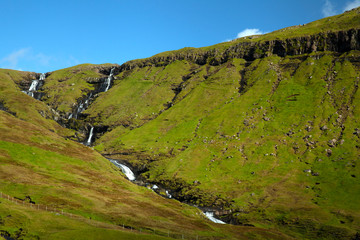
[47,35]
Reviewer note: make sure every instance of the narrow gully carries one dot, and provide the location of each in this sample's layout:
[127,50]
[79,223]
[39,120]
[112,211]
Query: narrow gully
[131,176]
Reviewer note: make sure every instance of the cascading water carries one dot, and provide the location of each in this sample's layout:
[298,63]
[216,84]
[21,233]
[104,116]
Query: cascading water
[84,104]
[42,77]
[35,84]
[88,142]
[108,80]
[126,170]
[131,176]
[210,216]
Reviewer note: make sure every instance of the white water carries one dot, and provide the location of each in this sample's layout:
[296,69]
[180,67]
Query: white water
[90,136]
[108,80]
[127,171]
[210,215]
[42,77]
[131,176]
[33,85]
[168,194]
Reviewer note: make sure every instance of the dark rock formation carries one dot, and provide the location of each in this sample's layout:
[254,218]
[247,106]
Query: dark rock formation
[340,42]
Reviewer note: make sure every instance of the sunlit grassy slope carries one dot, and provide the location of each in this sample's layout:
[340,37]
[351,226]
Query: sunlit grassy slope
[283,148]
[37,163]
[67,86]
[276,136]
[274,141]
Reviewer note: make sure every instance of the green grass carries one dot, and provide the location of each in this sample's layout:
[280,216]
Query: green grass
[66,86]
[27,223]
[218,137]
[247,136]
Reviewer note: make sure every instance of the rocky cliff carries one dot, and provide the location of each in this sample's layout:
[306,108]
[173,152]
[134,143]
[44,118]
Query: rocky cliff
[340,42]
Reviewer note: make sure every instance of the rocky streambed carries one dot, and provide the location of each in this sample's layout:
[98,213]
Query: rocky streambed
[209,213]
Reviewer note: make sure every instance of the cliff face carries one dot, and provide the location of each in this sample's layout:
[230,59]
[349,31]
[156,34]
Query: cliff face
[340,42]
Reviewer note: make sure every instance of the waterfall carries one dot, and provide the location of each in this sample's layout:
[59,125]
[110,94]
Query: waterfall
[42,77]
[210,215]
[35,84]
[108,80]
[126,170]
[82,107]
[90,136]
[131,176]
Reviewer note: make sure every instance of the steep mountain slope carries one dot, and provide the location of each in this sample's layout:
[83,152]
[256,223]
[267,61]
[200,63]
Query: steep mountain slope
[264,127]
[42,169]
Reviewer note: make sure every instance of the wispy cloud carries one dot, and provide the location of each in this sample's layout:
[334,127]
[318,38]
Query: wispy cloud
[11,60]
[351,5]
[328,9]
[25,58]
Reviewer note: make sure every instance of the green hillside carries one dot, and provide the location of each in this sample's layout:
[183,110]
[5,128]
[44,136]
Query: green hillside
[265,130]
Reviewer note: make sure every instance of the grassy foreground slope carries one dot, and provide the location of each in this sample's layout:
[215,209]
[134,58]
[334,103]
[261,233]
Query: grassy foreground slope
[39,165]
[275,139]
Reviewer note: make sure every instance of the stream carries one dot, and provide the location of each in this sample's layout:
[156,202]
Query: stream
[131,176]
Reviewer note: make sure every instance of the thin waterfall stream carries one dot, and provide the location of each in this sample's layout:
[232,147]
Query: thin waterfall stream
[84,104]
[108,80]
[88,142]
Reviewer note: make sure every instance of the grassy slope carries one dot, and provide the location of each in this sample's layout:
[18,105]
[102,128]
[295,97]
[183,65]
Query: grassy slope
[219,137]
[236,144]
[33,111]
[64,87]
[53,171]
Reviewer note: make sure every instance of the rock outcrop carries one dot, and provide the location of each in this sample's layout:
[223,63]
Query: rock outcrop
[340,42]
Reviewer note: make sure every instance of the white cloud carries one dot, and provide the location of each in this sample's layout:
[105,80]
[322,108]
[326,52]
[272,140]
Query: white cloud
[328,9]
[249,32]
[351,5]
[11,60]
[25,58]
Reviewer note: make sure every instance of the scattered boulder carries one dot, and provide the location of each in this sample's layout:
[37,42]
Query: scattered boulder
[308,128]
[323,128]
[357,132]
[328,152]
[332,143]
[289,133]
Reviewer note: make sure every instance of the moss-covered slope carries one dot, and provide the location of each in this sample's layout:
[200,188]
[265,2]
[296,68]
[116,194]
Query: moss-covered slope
[265,127]
[38,164]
